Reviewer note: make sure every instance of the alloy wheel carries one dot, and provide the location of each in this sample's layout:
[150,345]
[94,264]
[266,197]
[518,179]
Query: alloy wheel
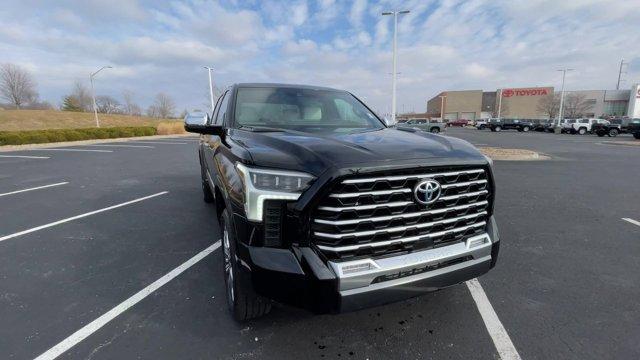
[228,268]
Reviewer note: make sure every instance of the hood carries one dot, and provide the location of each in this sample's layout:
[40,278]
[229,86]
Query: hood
[389,147]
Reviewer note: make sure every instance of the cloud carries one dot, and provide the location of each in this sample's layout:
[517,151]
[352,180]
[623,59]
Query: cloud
[442,45]
[357,12]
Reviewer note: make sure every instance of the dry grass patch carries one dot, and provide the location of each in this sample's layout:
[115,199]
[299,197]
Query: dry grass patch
[511,154]
[171,127]
[20,120]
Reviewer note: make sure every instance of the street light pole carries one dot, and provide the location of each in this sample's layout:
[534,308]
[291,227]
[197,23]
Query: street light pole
[442,97]
[500,104]
[395,73]
[211,89]
[93,94]
[561,110]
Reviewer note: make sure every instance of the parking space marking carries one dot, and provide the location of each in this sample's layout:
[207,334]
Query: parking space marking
[159,142]
[634,222]
[60,149]
[499,335]
[126,146]
[96,324]
[24,157]
[37,228]
[34,188]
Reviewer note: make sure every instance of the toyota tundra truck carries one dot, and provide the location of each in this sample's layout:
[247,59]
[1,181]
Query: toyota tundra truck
[324,206]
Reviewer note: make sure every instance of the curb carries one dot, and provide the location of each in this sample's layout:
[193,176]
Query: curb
[622,143]
[528,155]
[5,148]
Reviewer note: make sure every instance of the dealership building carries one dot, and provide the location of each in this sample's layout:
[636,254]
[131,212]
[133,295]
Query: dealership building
[524,103]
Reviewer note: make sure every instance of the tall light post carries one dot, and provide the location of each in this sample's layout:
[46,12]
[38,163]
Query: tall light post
[442,97]
[210,69]
[561,110]
[395,40]
[500,104]
[93,94]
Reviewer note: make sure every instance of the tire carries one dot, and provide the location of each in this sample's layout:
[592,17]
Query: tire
[497,128]
[434,130]
[613,133]
[582,131]
[636,135]
[600,134]
[525,129]
[243,302]
[207,194]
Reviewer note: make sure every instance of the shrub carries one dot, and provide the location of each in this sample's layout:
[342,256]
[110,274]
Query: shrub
[171,127]
[58,135]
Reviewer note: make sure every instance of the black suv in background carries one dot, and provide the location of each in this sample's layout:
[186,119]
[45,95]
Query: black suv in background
[634,128]
[511,124]
[325,207]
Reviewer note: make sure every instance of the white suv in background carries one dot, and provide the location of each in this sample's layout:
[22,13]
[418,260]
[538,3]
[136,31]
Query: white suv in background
[583,126]
[566,125]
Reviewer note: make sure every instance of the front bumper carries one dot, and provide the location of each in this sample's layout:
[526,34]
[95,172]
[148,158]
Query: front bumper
[300,278]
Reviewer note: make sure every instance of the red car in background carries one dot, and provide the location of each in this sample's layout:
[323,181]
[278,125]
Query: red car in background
[459,122]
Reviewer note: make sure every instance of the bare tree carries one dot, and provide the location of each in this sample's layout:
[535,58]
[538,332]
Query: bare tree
[164,106]
[107,104]
[130,107]
[504,109]
[152,111]
[83,96]
[576,105]
[16,85]
[549,105]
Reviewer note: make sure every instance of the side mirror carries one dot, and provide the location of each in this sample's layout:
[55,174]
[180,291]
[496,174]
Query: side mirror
[198,123]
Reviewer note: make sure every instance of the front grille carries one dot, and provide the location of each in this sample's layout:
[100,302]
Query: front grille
[377,215]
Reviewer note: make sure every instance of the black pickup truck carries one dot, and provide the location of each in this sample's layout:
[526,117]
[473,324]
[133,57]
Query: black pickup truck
[511,124]
[324,206]
[634,128]
[606,128]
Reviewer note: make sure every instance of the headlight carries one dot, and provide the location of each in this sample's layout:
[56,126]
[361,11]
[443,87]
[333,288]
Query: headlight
[268,184]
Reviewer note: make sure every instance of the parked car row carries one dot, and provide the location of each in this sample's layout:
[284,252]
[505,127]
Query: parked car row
[582,126]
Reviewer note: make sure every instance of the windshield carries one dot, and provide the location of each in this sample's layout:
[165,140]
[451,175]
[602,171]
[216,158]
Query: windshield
[306,110]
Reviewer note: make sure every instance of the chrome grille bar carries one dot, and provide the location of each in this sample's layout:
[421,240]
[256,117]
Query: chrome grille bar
[379,192]
[401,240]
[366,207]
[415,176]
[471,194]
[467,183]
[401,216]
[399,228]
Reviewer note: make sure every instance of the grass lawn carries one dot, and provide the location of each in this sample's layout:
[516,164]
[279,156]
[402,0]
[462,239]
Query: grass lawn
[17,120]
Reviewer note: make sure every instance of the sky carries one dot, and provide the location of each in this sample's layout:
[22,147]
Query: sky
[162,46]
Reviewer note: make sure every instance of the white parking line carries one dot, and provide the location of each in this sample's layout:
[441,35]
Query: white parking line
[59,149]
[34,188]
[24,157]
[634,222]
[28,231]
[126,146]
[498,334]
[96,324]
[159,142]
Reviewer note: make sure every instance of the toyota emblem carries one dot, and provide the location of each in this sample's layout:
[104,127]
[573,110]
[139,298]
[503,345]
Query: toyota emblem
[427,191]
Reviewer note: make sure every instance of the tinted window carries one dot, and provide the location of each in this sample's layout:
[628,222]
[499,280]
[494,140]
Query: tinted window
[223,109]
[303,110]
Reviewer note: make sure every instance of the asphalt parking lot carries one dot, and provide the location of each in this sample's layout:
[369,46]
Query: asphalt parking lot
[109,252]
